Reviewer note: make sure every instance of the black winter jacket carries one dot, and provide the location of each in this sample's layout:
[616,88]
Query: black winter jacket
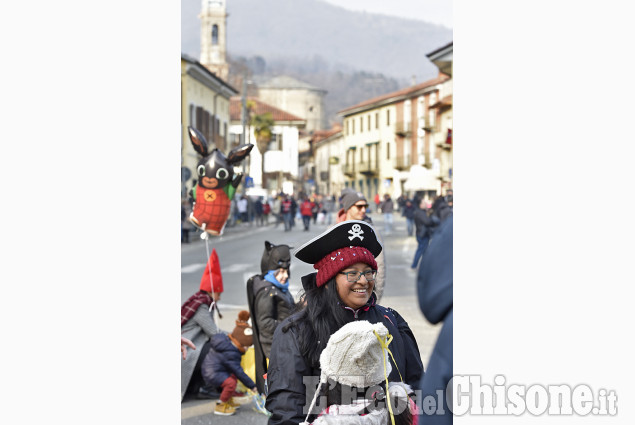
[272,307]
[288,370]
[424,224]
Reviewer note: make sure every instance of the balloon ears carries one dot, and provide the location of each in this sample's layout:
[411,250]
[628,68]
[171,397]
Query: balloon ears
[268,245]
[198,140]
[239,153]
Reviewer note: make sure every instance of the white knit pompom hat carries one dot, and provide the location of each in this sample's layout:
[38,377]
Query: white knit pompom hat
[353,355]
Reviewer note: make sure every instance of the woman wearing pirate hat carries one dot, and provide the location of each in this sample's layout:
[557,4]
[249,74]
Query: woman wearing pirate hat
[340,292]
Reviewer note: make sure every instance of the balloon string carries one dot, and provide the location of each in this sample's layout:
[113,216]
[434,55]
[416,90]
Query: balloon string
[384,347]
[209,271]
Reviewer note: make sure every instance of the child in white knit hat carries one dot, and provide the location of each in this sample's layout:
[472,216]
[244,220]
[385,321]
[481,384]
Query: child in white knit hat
[356,360]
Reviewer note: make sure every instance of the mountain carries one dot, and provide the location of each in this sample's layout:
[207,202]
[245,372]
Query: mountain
[324,45]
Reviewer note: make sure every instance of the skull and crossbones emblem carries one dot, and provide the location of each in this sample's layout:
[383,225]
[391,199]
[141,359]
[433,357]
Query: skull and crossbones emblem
[356,232]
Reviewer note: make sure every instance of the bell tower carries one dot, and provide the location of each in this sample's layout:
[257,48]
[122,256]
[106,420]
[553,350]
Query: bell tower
[214,37]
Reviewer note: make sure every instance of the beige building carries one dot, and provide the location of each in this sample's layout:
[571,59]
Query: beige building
[442,58]
[390,142]
[205,102]
[328,149]
[296,97]
[213,18]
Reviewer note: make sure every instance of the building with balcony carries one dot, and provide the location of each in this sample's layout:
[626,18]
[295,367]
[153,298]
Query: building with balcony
[442,137]
[389,142]
[205,106]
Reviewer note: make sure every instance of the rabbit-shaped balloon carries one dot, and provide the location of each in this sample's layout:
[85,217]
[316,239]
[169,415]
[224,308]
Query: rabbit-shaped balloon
[217,184]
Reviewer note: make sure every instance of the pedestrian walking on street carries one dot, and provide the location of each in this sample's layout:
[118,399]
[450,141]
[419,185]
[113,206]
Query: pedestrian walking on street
[270,302]
[294,211]
[425,224]
[339,293]
[401,201]
[315,208]
[286,211]
[306,210]
[251,211]
[408,212]
[329,208]
[277,210]
[259,211]
[387,210]
[221,368]
[266,210]
[242,204]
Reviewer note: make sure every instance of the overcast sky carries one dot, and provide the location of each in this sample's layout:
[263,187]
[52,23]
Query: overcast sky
[433,11]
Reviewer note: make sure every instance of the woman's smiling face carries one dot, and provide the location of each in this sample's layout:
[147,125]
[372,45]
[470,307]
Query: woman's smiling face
[354,294]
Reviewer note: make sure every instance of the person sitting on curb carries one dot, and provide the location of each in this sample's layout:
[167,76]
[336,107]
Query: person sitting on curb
[198,326]
[221,367]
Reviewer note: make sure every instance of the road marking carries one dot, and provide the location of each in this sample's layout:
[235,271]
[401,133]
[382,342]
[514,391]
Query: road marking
[191,268]
[239,267]
[224,306]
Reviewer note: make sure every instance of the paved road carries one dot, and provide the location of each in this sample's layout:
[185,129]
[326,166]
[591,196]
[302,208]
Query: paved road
[239,251]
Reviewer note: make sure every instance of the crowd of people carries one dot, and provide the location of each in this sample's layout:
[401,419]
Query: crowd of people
[362,355]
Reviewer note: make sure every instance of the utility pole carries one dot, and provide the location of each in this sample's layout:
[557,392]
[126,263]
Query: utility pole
[243,121]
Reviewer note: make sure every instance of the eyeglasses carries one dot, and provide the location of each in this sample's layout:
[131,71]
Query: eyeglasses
[359,207]
[355,276]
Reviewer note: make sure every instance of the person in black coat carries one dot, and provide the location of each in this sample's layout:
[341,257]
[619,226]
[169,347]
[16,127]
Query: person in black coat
[441,208]
[408,211]
[340,292]
[270,302]
[434,288]
[425,223]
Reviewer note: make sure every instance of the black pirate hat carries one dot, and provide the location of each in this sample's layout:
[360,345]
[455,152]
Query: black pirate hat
[345,234]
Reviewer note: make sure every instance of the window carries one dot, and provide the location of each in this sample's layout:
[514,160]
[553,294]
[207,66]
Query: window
[214,34]
[387,150]
[387,116]
[361,124]
[376,119]
[275,144]
[353,124]
[368,122]
[347,132]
